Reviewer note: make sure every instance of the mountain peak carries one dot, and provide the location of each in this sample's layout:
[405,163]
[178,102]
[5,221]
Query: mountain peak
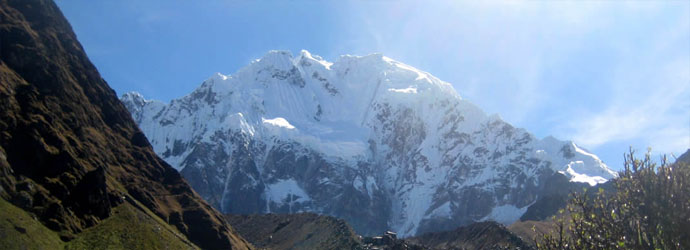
[278,58]
[133,97]
[306,59]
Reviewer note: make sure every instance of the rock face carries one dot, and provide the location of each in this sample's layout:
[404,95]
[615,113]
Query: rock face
[367,139]
[69,150]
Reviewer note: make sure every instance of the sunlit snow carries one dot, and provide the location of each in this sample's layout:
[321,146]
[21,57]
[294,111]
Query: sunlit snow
[278,122]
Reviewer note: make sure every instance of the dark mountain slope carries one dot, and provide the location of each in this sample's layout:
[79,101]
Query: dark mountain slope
[685,157]
[557,193]
[69,150]
[295,231]
[480,235]
[313,231]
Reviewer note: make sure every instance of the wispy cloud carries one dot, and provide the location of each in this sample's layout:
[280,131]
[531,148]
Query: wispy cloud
[649,105]
[659,119]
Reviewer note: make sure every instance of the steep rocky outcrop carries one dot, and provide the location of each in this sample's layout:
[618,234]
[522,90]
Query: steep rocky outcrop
[70,152]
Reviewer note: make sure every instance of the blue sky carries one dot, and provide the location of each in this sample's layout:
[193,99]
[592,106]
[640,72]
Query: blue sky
[605,74]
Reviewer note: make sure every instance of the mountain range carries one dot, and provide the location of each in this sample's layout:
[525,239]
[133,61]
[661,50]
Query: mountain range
[367,139]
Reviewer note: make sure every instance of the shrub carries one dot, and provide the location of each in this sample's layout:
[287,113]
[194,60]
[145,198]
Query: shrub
[649,209]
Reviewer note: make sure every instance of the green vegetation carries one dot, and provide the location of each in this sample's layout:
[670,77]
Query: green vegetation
[19,230]
[649,209]
[127,228]
[130,228]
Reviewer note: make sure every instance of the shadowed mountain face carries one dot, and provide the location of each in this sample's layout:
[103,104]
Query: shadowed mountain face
[312,231]
[295,231]
[482,235]
[69,150]
[685,157]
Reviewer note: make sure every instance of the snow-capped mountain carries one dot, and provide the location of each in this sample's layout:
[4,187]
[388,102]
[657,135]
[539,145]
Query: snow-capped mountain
[366,138]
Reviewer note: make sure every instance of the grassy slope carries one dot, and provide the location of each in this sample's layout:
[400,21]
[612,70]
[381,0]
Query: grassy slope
[131,228]
[127,228]
[19,230]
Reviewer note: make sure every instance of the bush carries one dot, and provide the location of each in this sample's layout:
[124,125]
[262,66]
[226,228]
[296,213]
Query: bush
[649,209]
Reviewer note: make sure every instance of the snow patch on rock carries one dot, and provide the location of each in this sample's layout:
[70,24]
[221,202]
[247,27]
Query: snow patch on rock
[505,214]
